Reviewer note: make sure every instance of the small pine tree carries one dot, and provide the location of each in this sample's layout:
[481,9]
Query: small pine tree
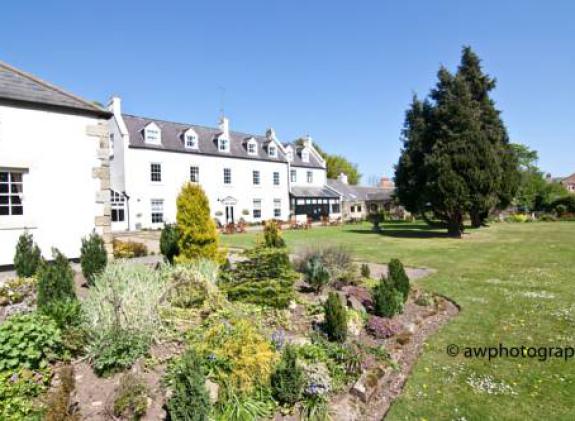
[93,257]
[316,274]
[169,242]
[189,400]
[28,257]
[398,278]
[288,379]
[198,236]
[272,235]
[387,301]
[55,281]
[365,271]
[335,318]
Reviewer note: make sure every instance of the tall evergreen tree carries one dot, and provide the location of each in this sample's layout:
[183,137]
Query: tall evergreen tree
[456,158]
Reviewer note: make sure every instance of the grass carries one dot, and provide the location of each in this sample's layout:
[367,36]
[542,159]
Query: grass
[515,285]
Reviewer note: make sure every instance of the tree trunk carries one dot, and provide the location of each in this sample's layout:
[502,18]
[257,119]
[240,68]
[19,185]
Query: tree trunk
[478,218]
[455,225]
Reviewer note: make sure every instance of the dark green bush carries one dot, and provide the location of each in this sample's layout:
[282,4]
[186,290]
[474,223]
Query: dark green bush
[66,313]
[30,341]
[387,301]
[169,242]
[336,259]
[93,257]
[131,398]
[316,275]
[265,278]
[189,400]
[55,281]
[398,278]
[365,271]
[288,378]
[28,257]
[272,235]
[117,351]
[564,204]
[335,323]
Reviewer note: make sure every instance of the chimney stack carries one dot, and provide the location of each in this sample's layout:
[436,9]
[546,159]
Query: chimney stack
[225,127]
[386,183]
[115,105]
[271,134]
[342,177]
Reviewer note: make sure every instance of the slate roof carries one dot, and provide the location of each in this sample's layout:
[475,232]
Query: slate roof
[21,87]
[297,161]
[173,140]
[568,180]
[359,193]
[324,191]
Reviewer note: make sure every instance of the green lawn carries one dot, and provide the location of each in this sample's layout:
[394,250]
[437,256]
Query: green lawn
[515,285]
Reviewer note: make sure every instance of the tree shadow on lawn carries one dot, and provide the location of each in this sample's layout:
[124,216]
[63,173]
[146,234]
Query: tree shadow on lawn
[406,230]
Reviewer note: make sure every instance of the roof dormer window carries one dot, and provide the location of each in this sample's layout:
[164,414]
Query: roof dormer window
[289,155]
[252,147]
[153,134]
[305,155]
[223,144]
[272,151]
[190,139]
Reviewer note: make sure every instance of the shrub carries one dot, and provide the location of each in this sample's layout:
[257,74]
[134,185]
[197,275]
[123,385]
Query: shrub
[382,328]
[337,260]
[117,350]
[567,204]
[128,249]
[288,378]
[18,390]
[365,271]
[387,301]
[316,275]
[65,313]
[189,400]
[335,318]
[272,235]
[240,356]
[194,284]
[169,242]
[130,398]
[376,219]
[28,257]
[93,257]
[59,405]
[517,218]
[265,278]
[29,341]
[55,281]
[398,278]
[198,236]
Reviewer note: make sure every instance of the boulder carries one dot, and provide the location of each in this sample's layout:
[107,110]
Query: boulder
[213,390]
[355,304]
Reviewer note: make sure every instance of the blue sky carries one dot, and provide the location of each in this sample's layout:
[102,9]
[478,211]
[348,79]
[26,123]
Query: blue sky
[344,72]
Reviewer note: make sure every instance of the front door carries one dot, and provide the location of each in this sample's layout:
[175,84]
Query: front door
[229,214]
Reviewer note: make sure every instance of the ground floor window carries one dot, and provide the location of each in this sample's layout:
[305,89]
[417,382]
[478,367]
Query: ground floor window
[316,208]
[257,211]
[157,206]
[11,189]
[117,205]
[277,208]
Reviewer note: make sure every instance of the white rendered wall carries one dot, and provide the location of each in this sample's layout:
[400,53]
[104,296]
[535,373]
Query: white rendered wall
[59,192]
[318,177]
[176,171]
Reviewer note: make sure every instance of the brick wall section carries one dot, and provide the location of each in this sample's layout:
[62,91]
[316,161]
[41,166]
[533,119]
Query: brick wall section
[103,222]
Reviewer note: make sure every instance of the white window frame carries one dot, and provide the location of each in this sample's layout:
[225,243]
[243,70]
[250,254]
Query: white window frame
[272,151]
[223,144]
[117,206]
[194,174]
[252,144]
[257,208]
[256,178]
[309,177]
[157,209]
[227,176]
[293,176]
[191,139]
[276,178]
[277,208]
[12,192]
[156,172]
[153,134]
[305,155]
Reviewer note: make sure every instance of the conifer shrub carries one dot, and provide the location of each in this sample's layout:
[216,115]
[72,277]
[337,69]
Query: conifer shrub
[316,274]
[336,259]
[55,281]
[365,271]
[398,278]
[266,277]
[198,237]
[169,242]
[272,235]
[189,400]
[93,257]
[28,257]
[335,323]
[387,301]
[288,378]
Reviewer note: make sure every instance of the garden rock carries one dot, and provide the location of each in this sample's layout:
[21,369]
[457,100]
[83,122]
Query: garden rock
[213,390]
[359,389]
[355,304]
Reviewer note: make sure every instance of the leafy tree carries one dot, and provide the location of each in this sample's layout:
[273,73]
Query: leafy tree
[169,242]
[93,257]
[198,236]
[55,281]
[288,379]
[335,318]
[28,257]
[456,158]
